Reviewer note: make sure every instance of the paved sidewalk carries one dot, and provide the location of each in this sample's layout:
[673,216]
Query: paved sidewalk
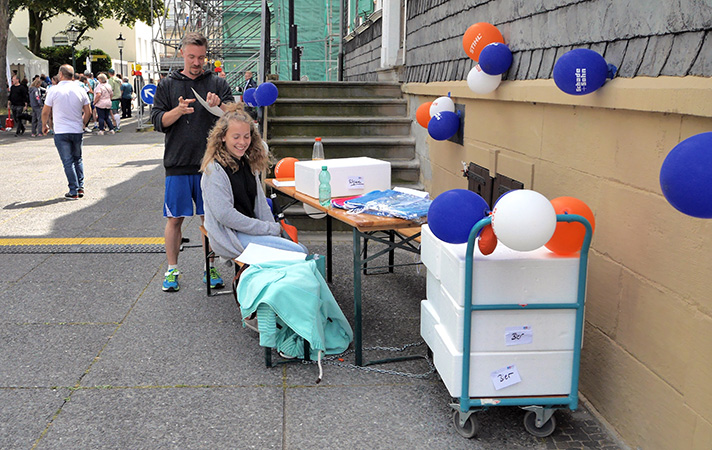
[93,355]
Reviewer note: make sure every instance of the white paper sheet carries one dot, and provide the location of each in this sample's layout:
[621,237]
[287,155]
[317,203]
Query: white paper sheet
[283,183]
[256,254]
[214,110]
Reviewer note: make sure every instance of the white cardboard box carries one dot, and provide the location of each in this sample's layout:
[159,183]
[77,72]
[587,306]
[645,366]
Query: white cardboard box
[542,372]
[349,176]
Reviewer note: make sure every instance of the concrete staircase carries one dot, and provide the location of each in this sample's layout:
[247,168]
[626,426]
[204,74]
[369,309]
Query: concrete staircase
[352,118]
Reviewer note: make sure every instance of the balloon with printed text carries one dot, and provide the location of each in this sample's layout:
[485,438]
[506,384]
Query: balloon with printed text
[478,36]
[581,71]
[443,125]
[249,97]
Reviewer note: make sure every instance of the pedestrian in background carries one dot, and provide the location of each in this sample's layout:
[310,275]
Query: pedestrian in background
[115,83]
[68,105]
[102,103]
[17,104]
[126,97]
[36,103]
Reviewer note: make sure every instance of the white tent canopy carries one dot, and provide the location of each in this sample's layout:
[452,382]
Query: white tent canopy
[20,59]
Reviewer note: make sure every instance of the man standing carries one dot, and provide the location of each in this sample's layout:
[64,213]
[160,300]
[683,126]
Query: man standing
[17,103]
[68,105]
[115,83]
[126,97]
[186,125]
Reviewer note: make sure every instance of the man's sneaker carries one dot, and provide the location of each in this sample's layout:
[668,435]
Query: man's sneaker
[110,132]
[216,282]
[70,196]
[170,283]
[80,192]
[100,132]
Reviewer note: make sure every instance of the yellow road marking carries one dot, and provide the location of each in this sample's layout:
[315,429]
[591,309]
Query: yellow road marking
[84,241]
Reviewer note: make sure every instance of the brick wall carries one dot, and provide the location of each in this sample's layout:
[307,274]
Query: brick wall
[641,38]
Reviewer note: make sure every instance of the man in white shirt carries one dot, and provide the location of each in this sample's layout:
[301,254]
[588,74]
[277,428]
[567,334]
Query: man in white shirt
[68,104]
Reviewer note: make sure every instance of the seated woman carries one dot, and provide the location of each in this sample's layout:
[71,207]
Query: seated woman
[236,209]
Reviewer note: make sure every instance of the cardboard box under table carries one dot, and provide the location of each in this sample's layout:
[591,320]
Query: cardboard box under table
[349,176]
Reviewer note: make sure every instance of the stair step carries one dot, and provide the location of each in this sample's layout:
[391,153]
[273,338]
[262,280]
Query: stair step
[336,107]
[338,126]
[385,147]
[326,89]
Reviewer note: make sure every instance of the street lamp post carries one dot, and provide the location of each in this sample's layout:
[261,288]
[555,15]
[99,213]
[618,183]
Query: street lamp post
[120,43]
[72,34]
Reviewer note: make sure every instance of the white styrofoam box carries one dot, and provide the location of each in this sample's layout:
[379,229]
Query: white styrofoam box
[510,276]
[430,250]
[428,320]
[552,329]
[349,176]
[542,373]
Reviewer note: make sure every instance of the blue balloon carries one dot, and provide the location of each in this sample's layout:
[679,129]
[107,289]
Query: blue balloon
[495,58]
[686,176]
[266,94]
[443,125]
[580,71]
[453,214]
[249,97]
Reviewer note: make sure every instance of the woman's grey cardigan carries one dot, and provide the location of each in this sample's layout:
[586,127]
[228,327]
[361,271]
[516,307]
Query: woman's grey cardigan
[222,220]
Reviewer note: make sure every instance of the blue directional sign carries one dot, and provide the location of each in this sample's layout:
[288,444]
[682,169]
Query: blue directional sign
[147,93]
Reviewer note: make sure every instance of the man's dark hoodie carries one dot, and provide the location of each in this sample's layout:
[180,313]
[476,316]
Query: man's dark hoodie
[187,137]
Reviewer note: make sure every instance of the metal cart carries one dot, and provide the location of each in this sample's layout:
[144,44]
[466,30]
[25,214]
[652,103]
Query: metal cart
[539,419]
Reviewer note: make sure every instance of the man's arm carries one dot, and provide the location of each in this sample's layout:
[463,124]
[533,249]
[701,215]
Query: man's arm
[172,116]
[46,113]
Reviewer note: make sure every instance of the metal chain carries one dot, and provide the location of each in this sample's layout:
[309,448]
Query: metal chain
[333,360]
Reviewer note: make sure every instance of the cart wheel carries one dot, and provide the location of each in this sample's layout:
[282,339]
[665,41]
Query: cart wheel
[469,430]
[544,431]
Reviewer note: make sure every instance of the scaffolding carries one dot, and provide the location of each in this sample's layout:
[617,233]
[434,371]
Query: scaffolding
[236,29]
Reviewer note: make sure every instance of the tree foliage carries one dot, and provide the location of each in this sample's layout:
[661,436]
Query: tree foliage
[62,54]
[88,14]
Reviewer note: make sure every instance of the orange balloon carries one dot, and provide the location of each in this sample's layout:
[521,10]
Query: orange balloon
[422,114]
[478,36]
[487,241]
[284,170]
[568,236]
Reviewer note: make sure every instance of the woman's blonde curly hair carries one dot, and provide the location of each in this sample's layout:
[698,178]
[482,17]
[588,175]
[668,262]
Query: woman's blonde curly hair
[257,154]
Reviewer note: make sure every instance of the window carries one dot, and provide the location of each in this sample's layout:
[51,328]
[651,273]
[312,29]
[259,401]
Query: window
[60,39]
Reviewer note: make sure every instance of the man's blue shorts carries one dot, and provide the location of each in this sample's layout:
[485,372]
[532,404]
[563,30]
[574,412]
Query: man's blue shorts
[181,192]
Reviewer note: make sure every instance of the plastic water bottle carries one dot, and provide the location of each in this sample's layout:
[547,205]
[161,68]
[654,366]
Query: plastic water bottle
[325,187]
[318,152]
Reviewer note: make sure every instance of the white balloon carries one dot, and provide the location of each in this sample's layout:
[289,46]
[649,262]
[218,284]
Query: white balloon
[442,104]
[523,220]
[481,83]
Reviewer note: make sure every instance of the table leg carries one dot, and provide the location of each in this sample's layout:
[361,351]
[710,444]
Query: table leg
[391,254]
[328,249]
[358,347]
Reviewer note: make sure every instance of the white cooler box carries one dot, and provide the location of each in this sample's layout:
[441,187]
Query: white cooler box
[541,373]
[349,176]
[505,276]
